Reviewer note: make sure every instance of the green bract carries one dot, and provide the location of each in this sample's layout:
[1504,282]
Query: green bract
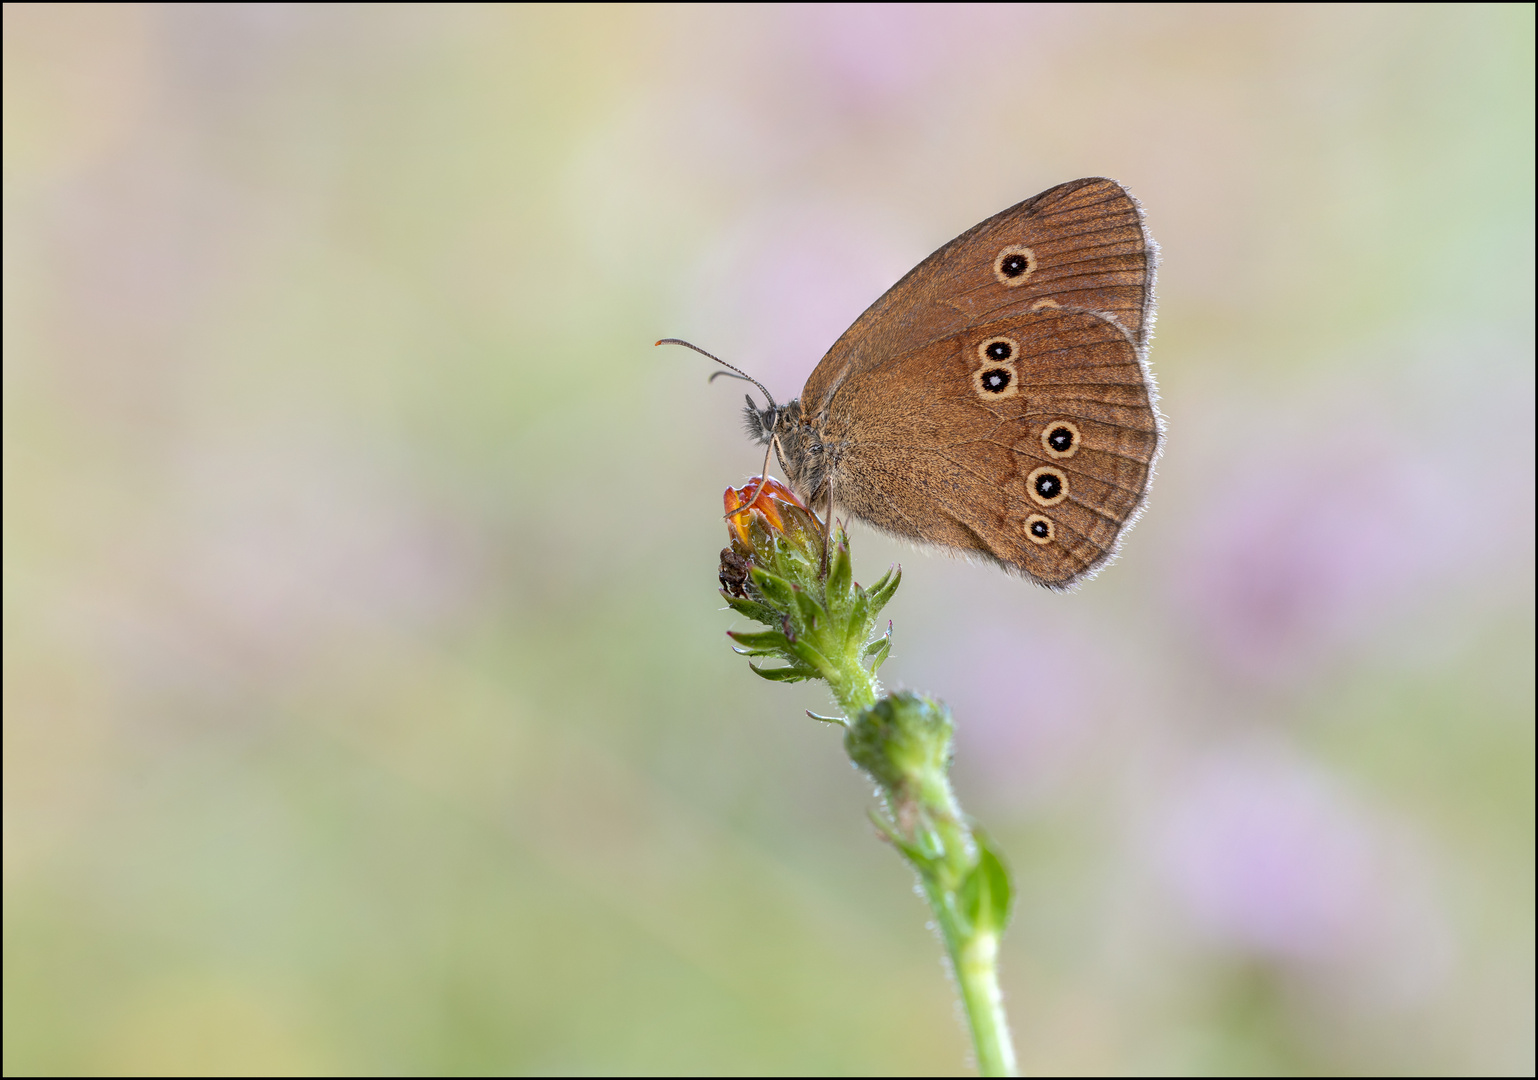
[819,625]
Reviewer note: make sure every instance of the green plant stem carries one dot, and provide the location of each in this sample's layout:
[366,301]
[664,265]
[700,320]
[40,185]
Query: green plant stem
[854,686]
[780,573]
[974,959]
[973,950]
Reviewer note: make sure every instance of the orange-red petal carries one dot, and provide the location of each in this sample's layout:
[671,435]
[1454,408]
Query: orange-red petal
[767,493]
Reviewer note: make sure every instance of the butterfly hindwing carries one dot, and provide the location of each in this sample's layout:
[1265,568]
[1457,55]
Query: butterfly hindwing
[1027,439]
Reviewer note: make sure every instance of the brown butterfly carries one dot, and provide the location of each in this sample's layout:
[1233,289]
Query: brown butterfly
[997,400]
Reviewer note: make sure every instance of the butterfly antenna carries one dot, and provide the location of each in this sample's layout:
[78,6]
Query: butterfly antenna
[774,441]
[740,374]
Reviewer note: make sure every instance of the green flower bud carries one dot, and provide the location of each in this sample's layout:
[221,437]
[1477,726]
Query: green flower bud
[903,741]
[785,570]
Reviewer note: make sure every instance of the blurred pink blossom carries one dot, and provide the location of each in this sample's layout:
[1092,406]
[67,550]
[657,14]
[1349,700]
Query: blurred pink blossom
[872,53]
[1029,704]
[789,284]
[1267,854]
[1317,546]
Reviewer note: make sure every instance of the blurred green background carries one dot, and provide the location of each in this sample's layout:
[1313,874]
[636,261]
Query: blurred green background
[367,701]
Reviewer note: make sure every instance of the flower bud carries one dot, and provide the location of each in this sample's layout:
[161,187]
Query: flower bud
[903,741]
[774,513]
[786,570]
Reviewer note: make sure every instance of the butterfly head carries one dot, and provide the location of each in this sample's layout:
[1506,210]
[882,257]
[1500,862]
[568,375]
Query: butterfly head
[804,453]
[768,422]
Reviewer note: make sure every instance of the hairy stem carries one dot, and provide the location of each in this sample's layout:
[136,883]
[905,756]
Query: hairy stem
[974,958]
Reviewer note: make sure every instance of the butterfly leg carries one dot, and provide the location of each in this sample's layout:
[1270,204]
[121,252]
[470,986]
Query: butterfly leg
[763,477]
[827,528]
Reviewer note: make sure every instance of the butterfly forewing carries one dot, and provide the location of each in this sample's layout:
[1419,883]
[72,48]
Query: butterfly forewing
[1080,244]
[1087,248]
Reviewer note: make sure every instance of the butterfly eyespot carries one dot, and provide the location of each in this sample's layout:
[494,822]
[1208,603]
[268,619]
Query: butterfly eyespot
[1014,264]
[1048,486]
[1061,438]
[1039,529]
[997,381]
[998,350]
